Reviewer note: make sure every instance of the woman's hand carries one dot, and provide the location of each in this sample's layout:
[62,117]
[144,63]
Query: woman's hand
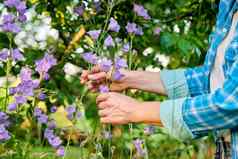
[117,108]
[94,78]
[148,81]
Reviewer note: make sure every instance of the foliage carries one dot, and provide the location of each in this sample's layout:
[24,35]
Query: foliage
[175,36]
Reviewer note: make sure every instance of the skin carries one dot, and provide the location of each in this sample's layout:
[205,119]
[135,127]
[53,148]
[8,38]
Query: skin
[116,108]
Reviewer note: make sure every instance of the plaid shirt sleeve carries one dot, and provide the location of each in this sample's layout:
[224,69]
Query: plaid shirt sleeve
[197,80]
[176,85]
[214,111]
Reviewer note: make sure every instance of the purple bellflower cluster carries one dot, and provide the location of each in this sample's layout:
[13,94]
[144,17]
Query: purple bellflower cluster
[14,54]
[4,134]
[139,147]
[141,11]
[10,21]
[49,134]
[72,112]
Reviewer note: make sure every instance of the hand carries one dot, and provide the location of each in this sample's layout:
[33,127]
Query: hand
[94,78]
[117,108]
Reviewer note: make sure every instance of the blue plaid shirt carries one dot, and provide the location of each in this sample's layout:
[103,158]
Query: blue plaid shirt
[193,110]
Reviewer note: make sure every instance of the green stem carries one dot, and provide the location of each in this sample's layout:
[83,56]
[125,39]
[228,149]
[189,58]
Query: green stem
[8,69]
[130,68]
[67,146]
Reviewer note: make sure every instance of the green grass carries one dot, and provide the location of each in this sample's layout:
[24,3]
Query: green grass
[48,153]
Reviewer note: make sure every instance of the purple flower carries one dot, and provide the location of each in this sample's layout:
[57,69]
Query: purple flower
[51,124]
[11,27]
[60,151]
[107,135]
[139,31]
[21,7]
[157,31]
[22,18]
[97,5]
[53,109]
[109,41]
[117,75]
[4,134]
[120,63]
[131,28]
[9,18]
[41,96]
[45,64]
[126,47]
[11,3]
[12,91]
[37,112]
[49,133]
[79,114]
[141,11]
[90,57]
[55,142]
[20,99]
[113,25]
[71,109]
[70,116]
[138,145]
[103,89]
[4,54]
[43,119]
[79,10]
[25,74]
[94,34]
[16,55]
[12,107]
[105,64]
[3,117]
[149,130]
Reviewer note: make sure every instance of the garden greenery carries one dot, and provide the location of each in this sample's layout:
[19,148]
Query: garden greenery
[44,46]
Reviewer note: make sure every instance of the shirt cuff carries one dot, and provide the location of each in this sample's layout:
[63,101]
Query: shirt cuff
[172,119]
[175,83]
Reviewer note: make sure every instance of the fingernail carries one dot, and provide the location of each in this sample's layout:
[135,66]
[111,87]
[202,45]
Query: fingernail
[91,77]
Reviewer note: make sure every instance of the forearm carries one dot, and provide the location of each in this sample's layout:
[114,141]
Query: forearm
[149,113]
[147,81]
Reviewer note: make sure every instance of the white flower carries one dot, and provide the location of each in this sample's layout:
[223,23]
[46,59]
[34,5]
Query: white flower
[176,28]
[54,34]
[30,14]
[79,50]
[148,51]
[162,59]
[41,33]
[28,27]
[31,41]
[187,26]
[71,69]
[42,45]
[152,69]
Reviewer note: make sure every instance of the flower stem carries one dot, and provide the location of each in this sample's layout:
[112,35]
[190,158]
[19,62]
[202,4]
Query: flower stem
[8,69]
[130,68]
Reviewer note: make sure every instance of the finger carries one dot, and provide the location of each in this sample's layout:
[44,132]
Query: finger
[104,112]
[84,77]
[102,97]
[103,105]
[95,69]
[97,76]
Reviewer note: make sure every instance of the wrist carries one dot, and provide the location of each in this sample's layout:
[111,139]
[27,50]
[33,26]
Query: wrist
[130,78]
[137,115]
[149,112]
